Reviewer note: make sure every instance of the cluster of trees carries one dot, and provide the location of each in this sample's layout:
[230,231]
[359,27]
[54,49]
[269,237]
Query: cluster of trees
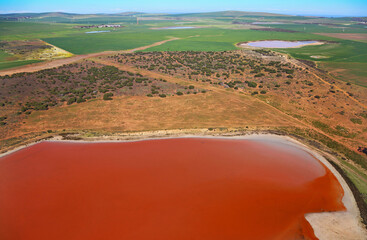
[214,67]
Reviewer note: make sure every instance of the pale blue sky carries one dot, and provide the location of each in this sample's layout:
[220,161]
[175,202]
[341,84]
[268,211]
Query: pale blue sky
[306,7]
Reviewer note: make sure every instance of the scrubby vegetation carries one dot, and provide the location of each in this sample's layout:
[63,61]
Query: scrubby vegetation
[77,83]
[230,69]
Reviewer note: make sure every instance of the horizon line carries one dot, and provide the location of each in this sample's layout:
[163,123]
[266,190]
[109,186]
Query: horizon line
[174,13]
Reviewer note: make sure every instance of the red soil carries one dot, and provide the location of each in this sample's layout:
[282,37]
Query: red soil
[163,189]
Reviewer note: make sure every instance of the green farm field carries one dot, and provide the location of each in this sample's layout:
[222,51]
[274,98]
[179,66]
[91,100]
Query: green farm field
[218,31]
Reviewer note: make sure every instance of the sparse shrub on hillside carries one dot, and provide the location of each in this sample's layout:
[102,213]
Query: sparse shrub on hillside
[107,96]
[356,120]
[71,100]
[80,100]
[364,115]
[252,84]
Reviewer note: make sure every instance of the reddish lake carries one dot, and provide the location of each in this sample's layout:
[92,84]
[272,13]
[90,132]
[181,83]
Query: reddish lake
[185,188]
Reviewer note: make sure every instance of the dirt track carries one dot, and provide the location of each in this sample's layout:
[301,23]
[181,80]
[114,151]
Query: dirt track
[59,62]
[158,75]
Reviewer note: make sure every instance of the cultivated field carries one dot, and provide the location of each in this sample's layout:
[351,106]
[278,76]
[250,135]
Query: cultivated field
[216,32]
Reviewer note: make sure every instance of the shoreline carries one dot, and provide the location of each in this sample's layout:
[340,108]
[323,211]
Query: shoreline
[326,225]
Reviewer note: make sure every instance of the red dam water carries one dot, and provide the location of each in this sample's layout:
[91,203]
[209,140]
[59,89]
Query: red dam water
[185,188]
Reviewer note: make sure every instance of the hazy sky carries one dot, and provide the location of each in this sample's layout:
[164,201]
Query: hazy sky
[306,7]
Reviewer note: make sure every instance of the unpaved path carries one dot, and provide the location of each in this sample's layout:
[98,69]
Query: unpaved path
[311,71]
[59,62]
[169,78]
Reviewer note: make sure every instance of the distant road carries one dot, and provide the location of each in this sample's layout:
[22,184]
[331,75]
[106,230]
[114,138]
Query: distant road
[59,62]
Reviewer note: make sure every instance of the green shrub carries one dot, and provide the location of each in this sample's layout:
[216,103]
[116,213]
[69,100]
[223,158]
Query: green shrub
[80,100]
[107,96]
[252,84]
[356,120]
[71,100]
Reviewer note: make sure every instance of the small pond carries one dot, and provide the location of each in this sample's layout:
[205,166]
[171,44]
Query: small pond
[280,44]
[97,31]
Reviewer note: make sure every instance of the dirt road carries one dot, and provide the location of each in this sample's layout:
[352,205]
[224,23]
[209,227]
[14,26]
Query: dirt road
[59,62]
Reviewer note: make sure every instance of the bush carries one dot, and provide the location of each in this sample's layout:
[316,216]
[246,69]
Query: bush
[191,87]
[252,84]
[179,93]
[263,92]
[80,100]
[71,100]
[107,96]
[356,120]
[162,95]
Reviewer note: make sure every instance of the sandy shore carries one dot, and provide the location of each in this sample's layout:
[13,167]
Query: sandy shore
[343,225]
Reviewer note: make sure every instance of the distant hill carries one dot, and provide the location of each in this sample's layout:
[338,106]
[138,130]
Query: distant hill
[125,14]
[230,14]
[64,15]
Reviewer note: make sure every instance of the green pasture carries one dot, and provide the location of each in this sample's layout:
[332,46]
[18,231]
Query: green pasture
[215,34]
[12,64]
